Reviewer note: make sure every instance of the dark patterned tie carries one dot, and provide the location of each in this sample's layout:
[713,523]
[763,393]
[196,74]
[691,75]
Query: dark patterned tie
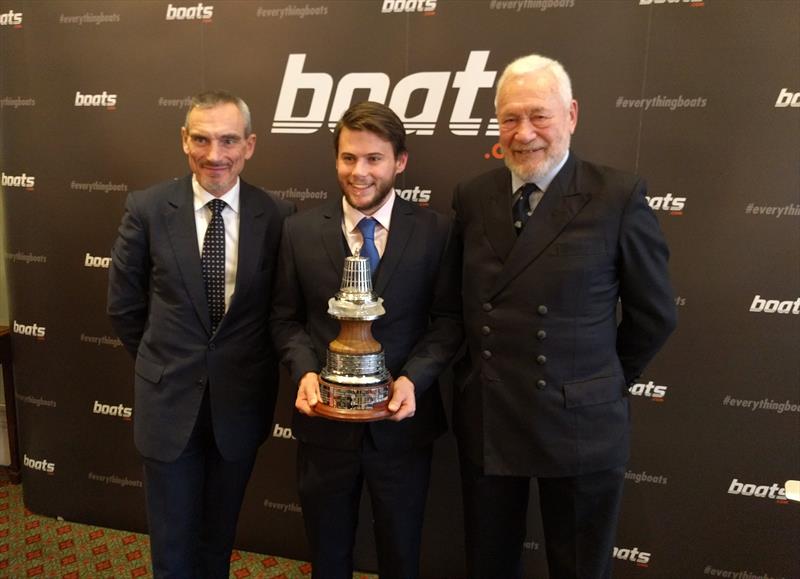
[213,262]
[368,249]
[522,208]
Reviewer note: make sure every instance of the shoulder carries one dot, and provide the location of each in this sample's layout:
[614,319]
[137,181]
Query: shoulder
[267,200]
[593,177]
[495,178]
[317,215]
[161,191]
[155,199]
[470,191]
[424,215]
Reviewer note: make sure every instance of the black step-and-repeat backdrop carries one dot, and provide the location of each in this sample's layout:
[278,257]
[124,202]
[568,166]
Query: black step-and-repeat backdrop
[700,97]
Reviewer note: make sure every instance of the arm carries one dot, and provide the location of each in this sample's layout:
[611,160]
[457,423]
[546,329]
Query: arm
[648,306]
[443,338]
[288,327]
[129,278]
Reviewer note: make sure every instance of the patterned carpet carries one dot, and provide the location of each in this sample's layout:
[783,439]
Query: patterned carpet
[34,546]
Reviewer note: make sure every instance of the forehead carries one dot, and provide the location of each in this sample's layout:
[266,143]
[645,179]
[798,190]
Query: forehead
[532,90]
[363,143]
[220,119]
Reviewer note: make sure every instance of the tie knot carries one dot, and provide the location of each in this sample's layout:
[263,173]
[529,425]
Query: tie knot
[367,227]
[216,206]
[527,189]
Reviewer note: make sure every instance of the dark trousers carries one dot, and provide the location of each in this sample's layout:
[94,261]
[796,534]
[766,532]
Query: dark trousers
[193,505]
[579,515]
[329,484]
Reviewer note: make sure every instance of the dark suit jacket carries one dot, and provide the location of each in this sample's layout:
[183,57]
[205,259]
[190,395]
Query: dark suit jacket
[420,332]
[157,305]
[543,391]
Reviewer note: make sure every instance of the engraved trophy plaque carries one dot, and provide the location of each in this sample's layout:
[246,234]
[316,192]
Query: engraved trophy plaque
[354,385]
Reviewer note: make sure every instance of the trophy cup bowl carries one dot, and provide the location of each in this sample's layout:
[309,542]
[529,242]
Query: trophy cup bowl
[355,385]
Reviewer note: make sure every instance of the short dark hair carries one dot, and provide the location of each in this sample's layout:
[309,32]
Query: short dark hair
[213,98]
[376,118]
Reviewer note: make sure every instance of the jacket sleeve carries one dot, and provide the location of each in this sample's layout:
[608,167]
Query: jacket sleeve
[129,278]
[445,333]
[648,307]
[288,317]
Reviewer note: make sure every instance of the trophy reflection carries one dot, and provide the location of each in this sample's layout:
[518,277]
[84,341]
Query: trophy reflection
[354,385]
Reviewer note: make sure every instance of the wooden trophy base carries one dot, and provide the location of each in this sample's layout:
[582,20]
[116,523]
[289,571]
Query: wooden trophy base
[377,411]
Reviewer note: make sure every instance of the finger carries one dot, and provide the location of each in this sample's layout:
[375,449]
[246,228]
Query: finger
[406,410]
[302,405]
[310,393]
[396,402]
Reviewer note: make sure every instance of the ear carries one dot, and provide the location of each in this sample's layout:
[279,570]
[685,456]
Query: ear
[400,163]
[573,116]
[250,143]
[185,140]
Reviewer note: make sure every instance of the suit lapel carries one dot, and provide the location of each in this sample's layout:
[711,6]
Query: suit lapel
[560,204]
[251,233]
[496,207]
[182,229]
[332,236]
[400,231]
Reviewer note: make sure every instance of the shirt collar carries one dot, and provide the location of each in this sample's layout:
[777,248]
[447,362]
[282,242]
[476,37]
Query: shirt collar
[202,197]
[542,183]
[383,215]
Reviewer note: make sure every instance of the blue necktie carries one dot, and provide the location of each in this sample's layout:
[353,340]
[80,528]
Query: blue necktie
[213,262]
[368,249]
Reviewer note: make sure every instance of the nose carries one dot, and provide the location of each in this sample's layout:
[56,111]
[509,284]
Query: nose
[214,151]
[360,168]
[526,132]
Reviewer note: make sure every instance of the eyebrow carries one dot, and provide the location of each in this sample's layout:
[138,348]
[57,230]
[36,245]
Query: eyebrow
[207,136]
[374,154]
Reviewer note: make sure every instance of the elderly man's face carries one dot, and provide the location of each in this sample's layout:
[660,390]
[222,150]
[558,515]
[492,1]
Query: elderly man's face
[216,146]
[535,124]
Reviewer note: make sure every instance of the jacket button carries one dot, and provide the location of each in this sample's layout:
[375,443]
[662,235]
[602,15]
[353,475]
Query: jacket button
[486,330]
[212,346]
[542,310]
[541,384]
[486,354]
[541,334]
[201,382]
[541,360]
[487,307]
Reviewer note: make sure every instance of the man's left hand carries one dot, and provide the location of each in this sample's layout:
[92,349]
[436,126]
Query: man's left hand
[403,403]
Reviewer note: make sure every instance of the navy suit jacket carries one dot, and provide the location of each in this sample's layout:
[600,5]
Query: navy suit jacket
[543,391]
[420,332]
[157,305]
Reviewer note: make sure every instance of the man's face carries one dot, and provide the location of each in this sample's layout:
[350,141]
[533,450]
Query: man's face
[535,124]
[366,168]
[216,146]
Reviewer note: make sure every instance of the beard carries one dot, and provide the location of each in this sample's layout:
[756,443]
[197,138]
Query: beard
[367,205]
[529,172]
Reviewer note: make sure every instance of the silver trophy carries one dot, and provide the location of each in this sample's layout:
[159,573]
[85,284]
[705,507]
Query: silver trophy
[354,385]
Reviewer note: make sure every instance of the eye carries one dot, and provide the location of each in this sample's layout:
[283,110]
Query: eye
[375,158]
[199,140]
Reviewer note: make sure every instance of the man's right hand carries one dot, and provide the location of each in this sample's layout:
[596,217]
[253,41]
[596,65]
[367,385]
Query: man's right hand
[308,393]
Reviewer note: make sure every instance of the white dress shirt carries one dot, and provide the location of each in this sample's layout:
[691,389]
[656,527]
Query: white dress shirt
[352,216]
[230,216]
